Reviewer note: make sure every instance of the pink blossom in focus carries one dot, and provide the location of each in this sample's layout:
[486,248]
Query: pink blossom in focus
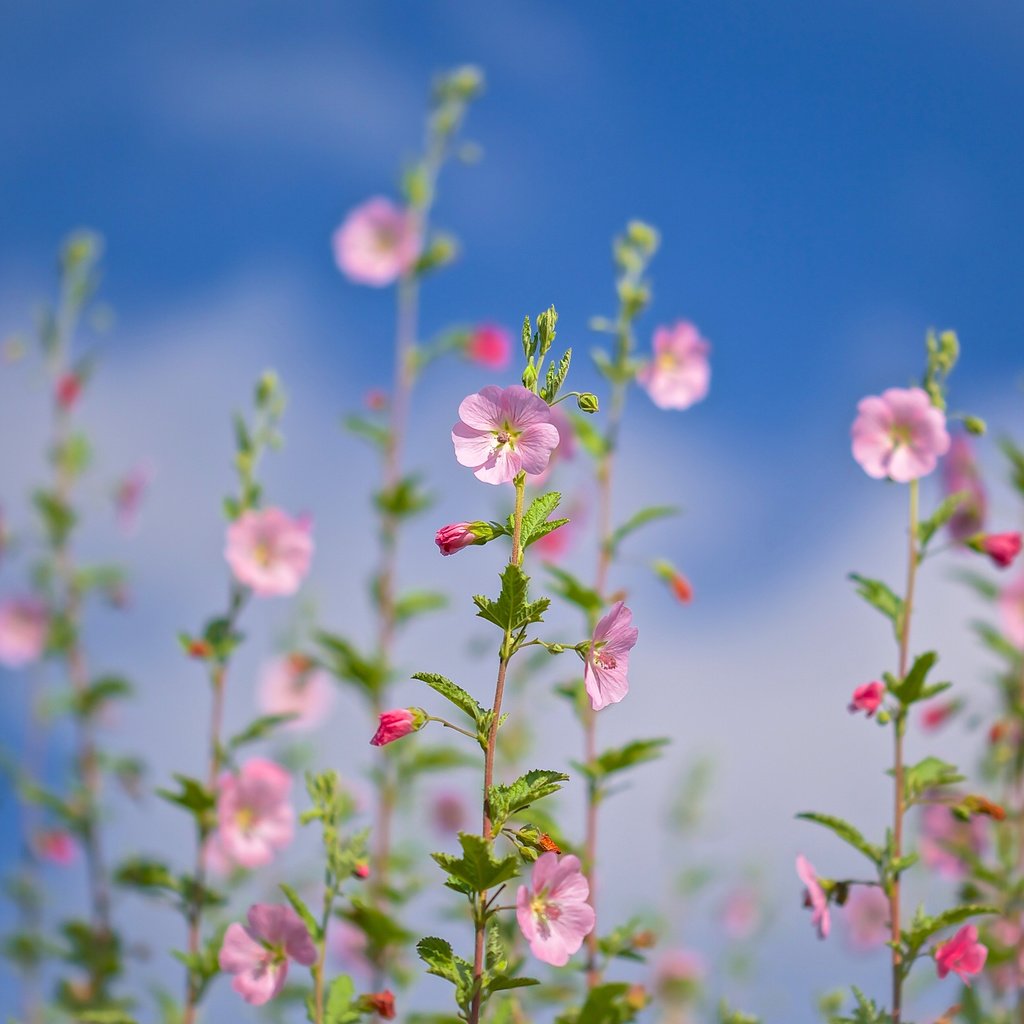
[24,625]
[254,814]
[606,672]
[56,846]
[257,954]
[960,474]
[395,724]
[963,954]
[552,911]
[1001,548]
[566,449]
[945,840]
[867,917]
[814,896]
[269,551]
[1011,611]
[679,374]
[377,243]
[503,431]
[899,434]
[293,685]
[867,698]
[741,912]
[448,811]
[489,346]
[128,494]
[456,536]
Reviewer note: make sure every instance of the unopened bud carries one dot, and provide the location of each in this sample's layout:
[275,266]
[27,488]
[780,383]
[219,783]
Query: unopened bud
[587,402]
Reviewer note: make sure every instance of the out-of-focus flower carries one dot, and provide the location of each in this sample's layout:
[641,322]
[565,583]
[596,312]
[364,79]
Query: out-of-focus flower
[489,346]
[946,840]
[552,546]
[960,475]
[741,914]
[963,954]
[347,945]
[606,675]
[24,625]
[678,975]
[1011,611]
[503,431]
[269,551]
[448,811]
[294,685]
[938,713]
[376,400]
[1001,548]
[257,954]
[128,494]
[396,723]
[679,374]
[254,814]
[680,586]
[380,1003]
[814,896]
[867,698]
[67,390]
[899,434]
[867,917]
[377,243]
[55,845]
[552,911]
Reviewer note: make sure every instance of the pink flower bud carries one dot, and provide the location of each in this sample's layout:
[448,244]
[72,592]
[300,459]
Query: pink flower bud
[489,346]
[867,698]
[1002,548]
[456,536]
[398,723]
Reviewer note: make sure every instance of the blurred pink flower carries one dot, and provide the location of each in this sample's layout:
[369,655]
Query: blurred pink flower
[678,974]
[216,860]
[502,431]
[347,945]
[257,954]
[128,494]
[24,625]
[294,685]
[937,713]
[552,546]
[269,551]
[963,954]
[254,814]
[867,917]
[606,672]
[395,724]
[945,840]
[1011,611]
[448,811]
[56,845]
[899,434]
[679,374]
[552,911]
[814,896]
[741,912]
[377,243]
[67,390]
[490,346]
[1001,548]
[867,698]
[960,473]
[566,449]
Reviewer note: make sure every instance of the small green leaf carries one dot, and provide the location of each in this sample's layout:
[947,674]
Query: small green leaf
[477,868]
[635,521]
[506,800]
[572,590]
[452,692]
[418,602]
[911,688]
[847,833]
[880,596]
[930,773]
[259,728]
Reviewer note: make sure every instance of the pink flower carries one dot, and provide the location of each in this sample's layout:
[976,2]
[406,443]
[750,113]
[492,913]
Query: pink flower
[254,815]
[456,536]
[946,840]
[867,698]
[398,722]
[552,911]
[377,243]
[347,945]
[56,845]
[24,625]
[963,954]
[68,389]
[679,973]
[679,375]
[606,673]
[1002,548]
[867,916]
[293,685]
[814,896]
[257,954]
[741,912]
[448,811]
[1011,611]
[938,713]
[960,474]
[128,496]
[552,546]
[899,434]
[490,346]
[503,431]
[269,551]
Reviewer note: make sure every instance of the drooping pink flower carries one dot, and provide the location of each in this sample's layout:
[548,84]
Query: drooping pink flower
[552,911]
[814,896]
[448,811]
[741,912]
[960,475]
[377,243]
[254,814]
[1001,548]
[396,723]
[128,494]
[679,374]
[489,346]
[1011,611]
[257,954]
[937,713]
[963,954]
[867,698]
[606,673]
[24,625]
[899,434]
[503,431]
[946,840]
[867,917]
[294,685]
[269,551]
[56,845]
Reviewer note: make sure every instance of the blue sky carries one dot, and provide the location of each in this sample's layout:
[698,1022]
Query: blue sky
[829,179]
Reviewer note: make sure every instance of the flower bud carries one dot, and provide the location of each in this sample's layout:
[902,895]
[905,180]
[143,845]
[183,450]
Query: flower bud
[456,536]
[399,722]
[1001,548]
[587,402]
[975,425]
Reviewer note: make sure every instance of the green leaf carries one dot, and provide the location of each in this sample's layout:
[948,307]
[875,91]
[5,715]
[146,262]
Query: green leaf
[847,833]
[621,758]
[418,602]
[259,728]
[441,961]
[300,908]
[572,590]
[376,434]
[103,689]
[346,663]
[503,982]
[478,868]
[452,692]
[880,596]
[947,508]
[537,516]
[512,611]
[923,927]
[590,438]
[605,1004]
[930,773]
[405,499]
[146,875]
[635,521]
[338,1006]
[911,688]
[506,800]
[192,795]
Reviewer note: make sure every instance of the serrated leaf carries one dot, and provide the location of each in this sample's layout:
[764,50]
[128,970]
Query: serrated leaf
[929,773]
[192,795]
[453,693]
[537,515]
[477,868]
[923,929]
[574,591]
[442,962]
[506,800]
[511,610]
[347,663]
[845,831]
